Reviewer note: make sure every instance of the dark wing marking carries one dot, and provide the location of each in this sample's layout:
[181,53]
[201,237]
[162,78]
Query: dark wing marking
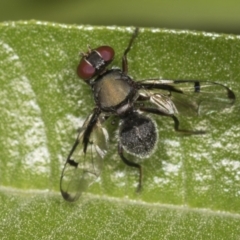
[187,96]
[82,169]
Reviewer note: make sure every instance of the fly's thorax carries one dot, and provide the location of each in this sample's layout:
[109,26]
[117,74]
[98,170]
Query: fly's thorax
[114,90]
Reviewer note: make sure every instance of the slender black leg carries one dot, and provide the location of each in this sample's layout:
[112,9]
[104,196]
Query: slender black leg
[175,119]
[124,57]
[131,164]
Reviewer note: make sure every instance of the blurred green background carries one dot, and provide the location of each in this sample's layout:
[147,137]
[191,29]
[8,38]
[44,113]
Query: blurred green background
[204,15]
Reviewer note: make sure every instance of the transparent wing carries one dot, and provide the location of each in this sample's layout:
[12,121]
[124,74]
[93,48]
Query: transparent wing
[187,96]
[82,169]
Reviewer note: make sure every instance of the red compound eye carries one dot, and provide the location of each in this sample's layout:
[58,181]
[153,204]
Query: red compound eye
[85,70]
[106,52]
[94,62]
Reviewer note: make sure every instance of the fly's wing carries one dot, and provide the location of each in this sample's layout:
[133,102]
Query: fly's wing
[82,169]
[163,101]
[187,96]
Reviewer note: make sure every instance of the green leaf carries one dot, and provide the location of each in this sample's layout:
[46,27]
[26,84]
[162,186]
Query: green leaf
[191,184]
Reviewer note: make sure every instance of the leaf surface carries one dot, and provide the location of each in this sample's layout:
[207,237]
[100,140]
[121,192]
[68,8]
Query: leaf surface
[191,184]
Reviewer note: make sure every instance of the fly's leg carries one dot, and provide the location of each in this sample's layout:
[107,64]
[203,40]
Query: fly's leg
[131,164]
[124,57]
[175,119]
